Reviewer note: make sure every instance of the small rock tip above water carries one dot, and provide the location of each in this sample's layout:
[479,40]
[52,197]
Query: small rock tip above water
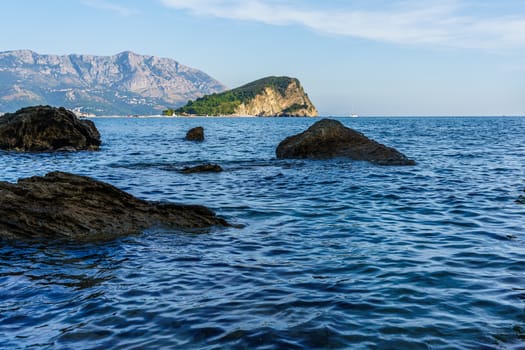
[202,168]
[195,134]
[329,138]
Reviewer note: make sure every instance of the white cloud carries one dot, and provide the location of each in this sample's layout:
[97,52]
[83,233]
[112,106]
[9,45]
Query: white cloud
[430,22]
[112,7]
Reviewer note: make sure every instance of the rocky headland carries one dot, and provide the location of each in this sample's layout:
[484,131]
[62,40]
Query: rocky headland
[46,129]
[72,207]
[329,138]
[267,97]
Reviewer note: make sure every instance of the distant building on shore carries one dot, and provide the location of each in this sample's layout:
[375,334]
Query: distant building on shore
[78,112]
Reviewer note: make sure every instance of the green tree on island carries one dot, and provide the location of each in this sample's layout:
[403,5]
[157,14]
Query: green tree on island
[225,103]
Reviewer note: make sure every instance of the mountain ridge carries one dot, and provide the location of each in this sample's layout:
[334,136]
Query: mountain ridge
[124,83]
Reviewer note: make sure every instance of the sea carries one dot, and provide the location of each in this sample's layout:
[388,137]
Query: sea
[324,254]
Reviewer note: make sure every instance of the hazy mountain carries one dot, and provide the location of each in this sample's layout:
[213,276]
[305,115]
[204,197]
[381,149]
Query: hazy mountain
[125,83]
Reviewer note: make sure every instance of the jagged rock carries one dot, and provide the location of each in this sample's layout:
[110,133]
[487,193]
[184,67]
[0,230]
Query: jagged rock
[67,206]
[203,168]
[46,128]
[195,134]
[329,139]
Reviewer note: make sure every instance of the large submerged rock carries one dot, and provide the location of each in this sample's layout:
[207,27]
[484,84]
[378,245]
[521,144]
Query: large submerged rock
[203,168]
[329,139]
[45,129]
[67,206]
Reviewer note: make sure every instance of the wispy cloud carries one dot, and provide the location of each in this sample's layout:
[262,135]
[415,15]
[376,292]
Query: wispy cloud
[428,22]
[112,7]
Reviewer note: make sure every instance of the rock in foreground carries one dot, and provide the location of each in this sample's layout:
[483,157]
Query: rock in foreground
[329,139]
[67,206]
[195,134]
[46,129]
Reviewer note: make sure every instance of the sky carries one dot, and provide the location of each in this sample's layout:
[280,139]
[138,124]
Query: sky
[371,57]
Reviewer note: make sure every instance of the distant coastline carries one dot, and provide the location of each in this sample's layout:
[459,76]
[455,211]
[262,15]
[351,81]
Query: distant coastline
[158,116]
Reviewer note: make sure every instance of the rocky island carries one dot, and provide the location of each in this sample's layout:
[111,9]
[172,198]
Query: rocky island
[267,97]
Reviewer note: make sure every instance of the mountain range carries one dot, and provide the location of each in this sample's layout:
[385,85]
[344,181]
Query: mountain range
[122,84]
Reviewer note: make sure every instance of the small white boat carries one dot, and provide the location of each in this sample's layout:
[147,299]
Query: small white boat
[353,114]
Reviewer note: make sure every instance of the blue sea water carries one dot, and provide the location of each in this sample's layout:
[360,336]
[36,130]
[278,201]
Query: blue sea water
[333,254]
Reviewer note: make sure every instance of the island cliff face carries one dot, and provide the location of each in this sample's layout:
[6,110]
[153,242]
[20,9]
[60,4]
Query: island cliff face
[270,102]
[267,97]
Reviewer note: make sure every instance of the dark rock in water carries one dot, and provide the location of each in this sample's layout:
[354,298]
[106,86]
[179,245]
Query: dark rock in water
[203,168]
[195,134]
[72,207]
[329,139]
[45,129]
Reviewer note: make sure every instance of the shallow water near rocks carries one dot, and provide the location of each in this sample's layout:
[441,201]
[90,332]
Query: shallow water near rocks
[333,254]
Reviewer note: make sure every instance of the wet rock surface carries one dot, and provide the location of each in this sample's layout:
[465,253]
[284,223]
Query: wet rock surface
[203,168]
[46,129]
[72,207]
[330,139]
[195,134]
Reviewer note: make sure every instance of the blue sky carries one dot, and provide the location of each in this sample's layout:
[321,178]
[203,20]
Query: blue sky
[372,57]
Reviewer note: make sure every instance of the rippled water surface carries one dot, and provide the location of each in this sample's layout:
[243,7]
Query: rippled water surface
[333,254]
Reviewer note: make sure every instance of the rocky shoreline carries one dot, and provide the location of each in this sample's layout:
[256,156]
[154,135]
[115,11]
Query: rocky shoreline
[69,206]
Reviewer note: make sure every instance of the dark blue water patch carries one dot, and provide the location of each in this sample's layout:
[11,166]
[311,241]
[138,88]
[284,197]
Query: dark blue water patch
[333,254]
